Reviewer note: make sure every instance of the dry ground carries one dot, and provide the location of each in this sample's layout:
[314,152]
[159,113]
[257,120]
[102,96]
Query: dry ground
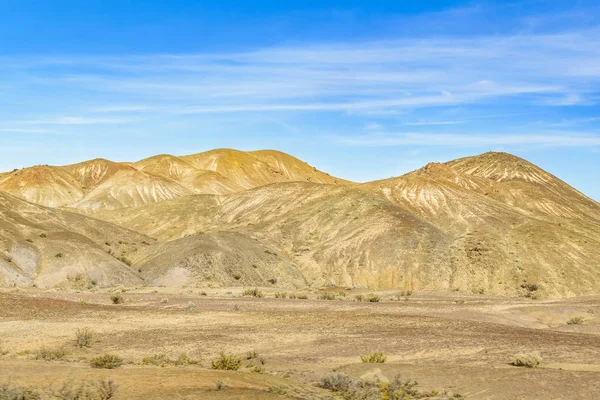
[444,341]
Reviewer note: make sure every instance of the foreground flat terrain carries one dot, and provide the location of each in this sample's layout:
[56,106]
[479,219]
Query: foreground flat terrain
[461,343]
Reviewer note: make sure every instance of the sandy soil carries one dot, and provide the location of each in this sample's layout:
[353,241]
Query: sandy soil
[442,340]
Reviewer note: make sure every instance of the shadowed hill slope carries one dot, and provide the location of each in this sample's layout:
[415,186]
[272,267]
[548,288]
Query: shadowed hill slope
[49,247]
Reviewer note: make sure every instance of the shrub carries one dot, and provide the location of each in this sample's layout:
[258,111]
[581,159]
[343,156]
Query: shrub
[59,255]
[107,361]
[374,358]
[278,389]
[125,260]
[184,359]
[164,301]
[251,355]
[160,360]
[253,293]
[43,235]
[237,277]
[100,390]
[576,321]
[47,354]
[336,382]
[359,297]
[280,295]
[84,337]
[18,393]
[29,240]
[227,362]
[117,299]
[220,385]
[203,294]
[373,298]
[327,296]
[190,306]
[303,297]
[272,281]
[529,360]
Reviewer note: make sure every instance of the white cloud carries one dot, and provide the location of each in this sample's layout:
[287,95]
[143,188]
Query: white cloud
[469,140]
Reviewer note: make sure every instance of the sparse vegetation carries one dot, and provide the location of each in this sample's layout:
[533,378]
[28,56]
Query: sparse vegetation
[107,361]
[227,362]
[18,393]
[373,298]
[253,293]
[281,295]
[374,386]
[84,337]
[47,354]
[359,297]
[528,360]
[117,299]
[374,358]
[576,321]
[99,390]
[43,235]
[220,385]
[278,389]
[327,296]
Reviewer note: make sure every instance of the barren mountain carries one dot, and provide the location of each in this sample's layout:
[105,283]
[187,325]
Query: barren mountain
[100,183]
[492,223]
[49,247]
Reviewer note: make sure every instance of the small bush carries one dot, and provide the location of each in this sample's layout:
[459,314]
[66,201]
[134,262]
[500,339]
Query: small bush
[252,354]
[253,293]
[203,294]
[18,393]
[159,360]
[59,255]
[528,360]
[280,295]
[359,297]
[164,301]
[336,382]
[373,298]
[84,337]
[184,359]
[220,385]
[117,299]
[100,390]
[272,281]
[47,354]
[278,389]
[237,277]
[576,321]
[29,240]
[303,297]
[374,358]
[125,260]
[43,235]
[107,361]
[190,306]
[227,362]
[327,296]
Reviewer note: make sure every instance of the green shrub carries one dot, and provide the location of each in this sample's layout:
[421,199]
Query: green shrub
[227,362]
[278,389]
[159,360]
[107,361]
[528,360]
[84,337]
[576,321]
[117,299]
[374,358]
[47,354]
[253,293]
[252,354]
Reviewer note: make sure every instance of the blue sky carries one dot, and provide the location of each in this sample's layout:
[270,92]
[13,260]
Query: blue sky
[361,89]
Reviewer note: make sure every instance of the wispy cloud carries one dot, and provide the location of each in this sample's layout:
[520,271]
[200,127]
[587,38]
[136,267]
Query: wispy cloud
[72,121]
[421,123]
[469,140]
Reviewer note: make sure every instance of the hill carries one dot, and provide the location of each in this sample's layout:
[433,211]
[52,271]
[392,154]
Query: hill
[492,223]
[48,247]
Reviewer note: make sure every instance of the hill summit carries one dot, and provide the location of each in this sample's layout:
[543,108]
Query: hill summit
[492,223]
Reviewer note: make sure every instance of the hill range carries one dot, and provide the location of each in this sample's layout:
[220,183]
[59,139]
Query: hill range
[492,223]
